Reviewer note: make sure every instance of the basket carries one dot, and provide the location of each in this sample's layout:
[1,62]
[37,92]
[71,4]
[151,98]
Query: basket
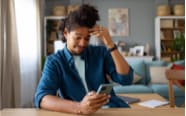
[179,10]
[163,10]
[72,8]
[59,11]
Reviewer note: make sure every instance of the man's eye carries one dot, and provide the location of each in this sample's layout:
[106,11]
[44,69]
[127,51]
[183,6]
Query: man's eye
[78,38]
[87,39]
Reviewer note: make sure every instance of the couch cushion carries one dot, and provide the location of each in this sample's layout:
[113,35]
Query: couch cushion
[132,89]
[136,78]
[150,64]
[139,68]
[157,74]
[162,89]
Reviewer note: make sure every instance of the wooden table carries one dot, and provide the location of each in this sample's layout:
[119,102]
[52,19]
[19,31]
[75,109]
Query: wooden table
[144,97]
[102,112]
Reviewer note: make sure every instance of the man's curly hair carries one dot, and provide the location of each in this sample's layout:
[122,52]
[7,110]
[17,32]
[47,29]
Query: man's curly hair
[84,16]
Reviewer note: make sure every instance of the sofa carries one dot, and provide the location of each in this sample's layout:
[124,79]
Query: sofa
[149,72]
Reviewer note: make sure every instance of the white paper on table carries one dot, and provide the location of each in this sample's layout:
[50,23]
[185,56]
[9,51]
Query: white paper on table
[153,103]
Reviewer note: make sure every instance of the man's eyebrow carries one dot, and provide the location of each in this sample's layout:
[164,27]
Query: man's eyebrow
[78,34]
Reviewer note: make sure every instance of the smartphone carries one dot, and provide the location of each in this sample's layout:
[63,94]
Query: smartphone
[105,88]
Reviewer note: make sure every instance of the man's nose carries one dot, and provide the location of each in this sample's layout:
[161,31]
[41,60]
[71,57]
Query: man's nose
[84,42]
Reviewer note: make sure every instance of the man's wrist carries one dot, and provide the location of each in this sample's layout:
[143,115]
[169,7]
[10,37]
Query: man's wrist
[78,109]
[113,48]
[109,43]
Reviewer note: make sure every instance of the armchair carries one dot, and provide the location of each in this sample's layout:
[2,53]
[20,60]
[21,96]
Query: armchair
[173,76]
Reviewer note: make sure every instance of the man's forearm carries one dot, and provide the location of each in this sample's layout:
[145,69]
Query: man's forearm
[122,66]
[55,103]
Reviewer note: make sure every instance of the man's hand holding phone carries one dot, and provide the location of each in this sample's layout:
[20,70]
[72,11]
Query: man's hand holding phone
[92,102]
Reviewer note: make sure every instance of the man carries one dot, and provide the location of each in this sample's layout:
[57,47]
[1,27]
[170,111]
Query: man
[77,71]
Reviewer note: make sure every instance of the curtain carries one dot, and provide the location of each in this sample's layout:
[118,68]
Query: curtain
[20,64]
[28,28]
[9,64]
[0,54]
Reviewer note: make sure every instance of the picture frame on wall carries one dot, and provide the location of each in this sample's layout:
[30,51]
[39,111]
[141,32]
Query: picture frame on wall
[118,21]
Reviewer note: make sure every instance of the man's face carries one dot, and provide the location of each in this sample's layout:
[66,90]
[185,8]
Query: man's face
[77,40]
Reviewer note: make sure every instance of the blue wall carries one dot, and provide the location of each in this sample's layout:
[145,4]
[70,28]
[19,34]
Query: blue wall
[141,19]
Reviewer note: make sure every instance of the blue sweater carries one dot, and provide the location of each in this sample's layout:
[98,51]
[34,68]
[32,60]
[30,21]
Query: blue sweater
[59,74]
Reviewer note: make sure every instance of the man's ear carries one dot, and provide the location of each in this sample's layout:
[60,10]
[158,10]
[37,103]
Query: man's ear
[65,32]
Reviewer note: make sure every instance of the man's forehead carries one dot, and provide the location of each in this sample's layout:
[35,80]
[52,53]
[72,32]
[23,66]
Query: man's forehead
[82,34]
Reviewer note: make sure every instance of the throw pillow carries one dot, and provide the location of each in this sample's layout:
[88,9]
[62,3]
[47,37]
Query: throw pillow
[136,78]
[139,68]
[153,64]
[179,67]
[157,74]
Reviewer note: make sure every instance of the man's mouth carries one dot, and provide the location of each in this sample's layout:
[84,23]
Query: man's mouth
[81,48]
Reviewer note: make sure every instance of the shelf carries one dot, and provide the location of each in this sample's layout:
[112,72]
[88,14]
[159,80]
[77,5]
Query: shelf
[171,17]
[51,32]
[172,28]
[134,58]
[167,39]
[54,17]
[171,52]
[167,28]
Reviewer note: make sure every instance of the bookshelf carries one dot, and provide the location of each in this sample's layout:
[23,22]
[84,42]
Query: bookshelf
[167,30]
[51,33]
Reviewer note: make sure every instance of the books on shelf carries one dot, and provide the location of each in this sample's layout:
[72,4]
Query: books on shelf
[167,23]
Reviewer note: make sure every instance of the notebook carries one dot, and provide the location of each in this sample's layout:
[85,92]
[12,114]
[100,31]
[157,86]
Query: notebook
[153,103]
[129,100]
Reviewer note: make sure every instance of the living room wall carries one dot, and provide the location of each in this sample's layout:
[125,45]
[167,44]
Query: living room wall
[141,19]
[142,15]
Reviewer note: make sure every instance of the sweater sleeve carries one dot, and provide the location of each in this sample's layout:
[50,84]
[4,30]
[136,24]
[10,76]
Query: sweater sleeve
[49,82]
[111,70]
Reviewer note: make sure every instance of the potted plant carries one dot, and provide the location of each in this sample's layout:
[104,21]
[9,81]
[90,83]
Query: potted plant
[179,45]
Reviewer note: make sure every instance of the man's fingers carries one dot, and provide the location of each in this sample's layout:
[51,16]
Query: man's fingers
[99,101]
[97,96]
[91,93]
[102,100]
[99,104]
